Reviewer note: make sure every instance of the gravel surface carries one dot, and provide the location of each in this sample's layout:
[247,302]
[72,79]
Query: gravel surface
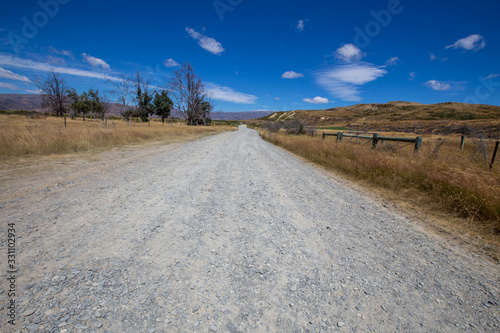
[227,234]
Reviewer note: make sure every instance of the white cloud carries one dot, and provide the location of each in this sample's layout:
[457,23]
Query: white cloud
[291,75]
[62,52]
[96,62]
[9,86]
[227,94]
[278,98]
[6,74]
[412,75]
[392,62]
[171,63]
[349,53]
[300,25]
[316,100]
[38,66]
[344,81]
[491,76]
[473,42]
[207,43]
[438,85]
[34,91]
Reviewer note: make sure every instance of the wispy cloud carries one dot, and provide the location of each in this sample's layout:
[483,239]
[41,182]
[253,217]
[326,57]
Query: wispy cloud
[7,60]
[6,74]
[9,86]
[349,53]
[300,26]
[60,52]
[227,94]
[171,63]
[438,85]
[491,76]
[316,100]
[412,75]
[55,60]
[96,62]
[344,81]
[434,57]
[473,42]
[392,62]
[207,43]
[291,75]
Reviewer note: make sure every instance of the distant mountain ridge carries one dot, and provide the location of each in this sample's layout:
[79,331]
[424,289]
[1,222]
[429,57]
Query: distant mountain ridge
[30,102]
[21,102]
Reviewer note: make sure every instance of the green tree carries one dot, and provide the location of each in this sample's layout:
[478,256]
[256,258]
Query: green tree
[162,105]
[206,109]
[79,103]
[143,98]
[98,105]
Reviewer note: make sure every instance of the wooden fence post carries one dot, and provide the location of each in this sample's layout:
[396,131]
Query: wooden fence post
[375,141]
[64,120]
[494,155]
[418,144]
[323,135]
[462,142]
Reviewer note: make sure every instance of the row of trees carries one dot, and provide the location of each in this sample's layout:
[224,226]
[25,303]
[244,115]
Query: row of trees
[186,88]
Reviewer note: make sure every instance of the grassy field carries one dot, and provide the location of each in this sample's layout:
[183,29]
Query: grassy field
[23,136]
[445,179]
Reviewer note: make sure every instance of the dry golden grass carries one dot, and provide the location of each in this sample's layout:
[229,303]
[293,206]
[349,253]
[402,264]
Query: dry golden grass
[23,137]
[449,180]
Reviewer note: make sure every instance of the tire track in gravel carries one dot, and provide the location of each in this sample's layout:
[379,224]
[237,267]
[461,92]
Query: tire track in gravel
[231,234]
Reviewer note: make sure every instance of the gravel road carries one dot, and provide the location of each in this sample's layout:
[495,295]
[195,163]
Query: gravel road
[227,234]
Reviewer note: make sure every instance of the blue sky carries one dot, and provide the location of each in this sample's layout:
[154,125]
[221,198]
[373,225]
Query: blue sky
[263,55]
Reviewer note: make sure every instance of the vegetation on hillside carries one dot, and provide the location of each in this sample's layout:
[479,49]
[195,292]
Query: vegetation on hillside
[408,117]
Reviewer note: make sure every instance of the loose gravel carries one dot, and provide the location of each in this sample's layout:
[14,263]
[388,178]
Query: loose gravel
[228,234]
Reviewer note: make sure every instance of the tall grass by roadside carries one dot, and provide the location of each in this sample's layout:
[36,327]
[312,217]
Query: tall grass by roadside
[447,180]
[22,136]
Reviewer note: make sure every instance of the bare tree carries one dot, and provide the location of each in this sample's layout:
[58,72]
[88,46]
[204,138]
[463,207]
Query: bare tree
[189,95]
[120,91]
[53,91]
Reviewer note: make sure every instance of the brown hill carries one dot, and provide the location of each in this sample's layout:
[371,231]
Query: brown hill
[401,116]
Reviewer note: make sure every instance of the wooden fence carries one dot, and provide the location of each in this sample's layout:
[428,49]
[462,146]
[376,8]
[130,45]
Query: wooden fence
[376,138]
